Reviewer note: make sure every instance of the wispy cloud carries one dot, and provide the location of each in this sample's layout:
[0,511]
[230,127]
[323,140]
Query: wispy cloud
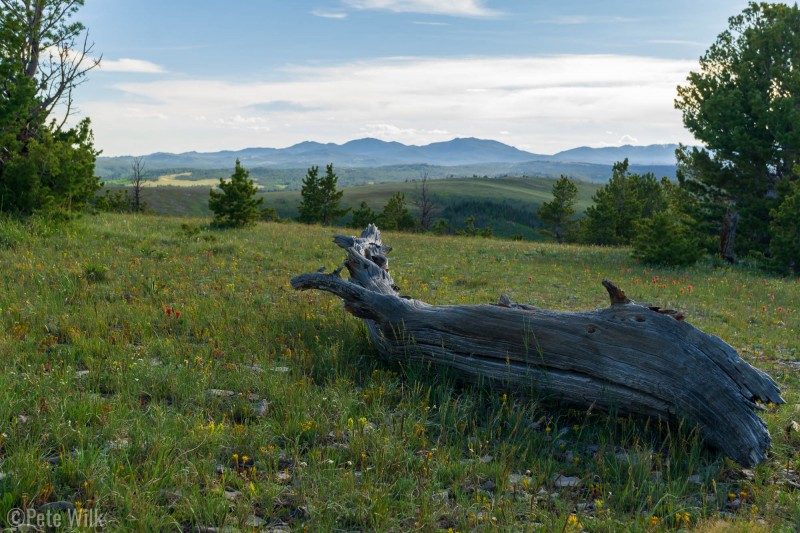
[429,23]
[395,133]
[677,42]
[130,65]
[456,8]
[337,15]
[574,20]
[546,103]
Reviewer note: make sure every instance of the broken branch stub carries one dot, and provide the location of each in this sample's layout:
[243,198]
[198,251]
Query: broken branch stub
[626,357]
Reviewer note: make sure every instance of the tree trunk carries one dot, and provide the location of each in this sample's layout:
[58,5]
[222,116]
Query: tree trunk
[727,236]
[625,358]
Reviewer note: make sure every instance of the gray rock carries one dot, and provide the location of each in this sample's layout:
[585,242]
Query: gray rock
[231,495]
[261,408]
[566,481]
[254,521]
[219,393]
[55,507]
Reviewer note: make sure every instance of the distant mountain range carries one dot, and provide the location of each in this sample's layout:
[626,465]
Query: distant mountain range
[371,153]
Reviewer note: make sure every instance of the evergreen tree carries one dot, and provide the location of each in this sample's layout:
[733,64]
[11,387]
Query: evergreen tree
[744,106]
[557,214]
[43,164]
[363,216]
[670,236]
[619,205]
[236,205]
[330,198]
[311,203]
[320,198]
[785,228]
[395,214]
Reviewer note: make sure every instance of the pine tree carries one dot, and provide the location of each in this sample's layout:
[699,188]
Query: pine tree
[395,214]
[557,214]
[311,203]
[331,197]
[43,164]
[236,205]
[619,205]
[742,106]
[363,216]
[785,229]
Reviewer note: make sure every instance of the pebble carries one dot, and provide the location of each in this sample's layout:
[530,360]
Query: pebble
[219,393]
[57,507]
[566,481]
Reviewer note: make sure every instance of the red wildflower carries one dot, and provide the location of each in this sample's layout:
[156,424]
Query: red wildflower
[763,307]
[169,310]
[177,314]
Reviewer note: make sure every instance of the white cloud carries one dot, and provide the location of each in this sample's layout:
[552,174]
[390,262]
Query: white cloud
[628,139]
[130,65]
[253,123]
[573,20]
[136,113]
[428,23]
[457,8]
[329,14]
[549,103]
[390,132]
[677,42]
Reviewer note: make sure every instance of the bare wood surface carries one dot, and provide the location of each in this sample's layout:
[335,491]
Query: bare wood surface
[627,358]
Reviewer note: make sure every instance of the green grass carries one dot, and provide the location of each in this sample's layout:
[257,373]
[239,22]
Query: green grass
[525,194]
[518,191]
[259,403]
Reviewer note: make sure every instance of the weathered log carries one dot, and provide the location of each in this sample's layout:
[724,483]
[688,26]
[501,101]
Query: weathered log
[625,358]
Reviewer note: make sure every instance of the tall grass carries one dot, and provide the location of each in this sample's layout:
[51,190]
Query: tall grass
[166,377]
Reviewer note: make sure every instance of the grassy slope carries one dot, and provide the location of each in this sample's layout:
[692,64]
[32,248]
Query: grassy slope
[524,193]
[529,192]
[347,442]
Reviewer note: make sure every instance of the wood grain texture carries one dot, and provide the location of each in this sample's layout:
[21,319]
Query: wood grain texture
[625,358]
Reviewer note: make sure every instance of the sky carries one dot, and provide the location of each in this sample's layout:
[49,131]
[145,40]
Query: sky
[544,76]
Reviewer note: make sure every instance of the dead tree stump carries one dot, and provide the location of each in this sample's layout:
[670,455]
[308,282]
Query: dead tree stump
[627,358]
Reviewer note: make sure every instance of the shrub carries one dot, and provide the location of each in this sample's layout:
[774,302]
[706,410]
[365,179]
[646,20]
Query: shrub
[785,229]
[664,239]
[363,216]
[236,205]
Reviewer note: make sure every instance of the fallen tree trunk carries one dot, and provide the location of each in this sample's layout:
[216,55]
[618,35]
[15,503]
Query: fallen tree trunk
[625,358]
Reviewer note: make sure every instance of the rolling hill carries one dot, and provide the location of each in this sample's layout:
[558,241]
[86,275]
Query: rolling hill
[372,160]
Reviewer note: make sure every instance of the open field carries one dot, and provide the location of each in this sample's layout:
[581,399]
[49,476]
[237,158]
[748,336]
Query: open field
[181,179]
[530,192]
[165,377]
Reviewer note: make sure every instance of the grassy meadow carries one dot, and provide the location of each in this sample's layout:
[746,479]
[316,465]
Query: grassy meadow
[165,377]
[488,199]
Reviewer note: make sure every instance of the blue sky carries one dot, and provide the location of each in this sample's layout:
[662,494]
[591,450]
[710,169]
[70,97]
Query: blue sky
[540,75]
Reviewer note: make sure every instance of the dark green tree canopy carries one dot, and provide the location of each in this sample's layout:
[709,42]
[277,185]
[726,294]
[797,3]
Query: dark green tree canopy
[395,214]
[320,198]
[557,214]
[618,206]
[311,198]
[236,204]
[744,106]
[363,216]
[43,164]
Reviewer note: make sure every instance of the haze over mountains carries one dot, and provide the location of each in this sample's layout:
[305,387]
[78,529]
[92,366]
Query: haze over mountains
[371,152]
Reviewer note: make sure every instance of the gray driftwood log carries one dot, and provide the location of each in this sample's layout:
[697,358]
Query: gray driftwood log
[626,357]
